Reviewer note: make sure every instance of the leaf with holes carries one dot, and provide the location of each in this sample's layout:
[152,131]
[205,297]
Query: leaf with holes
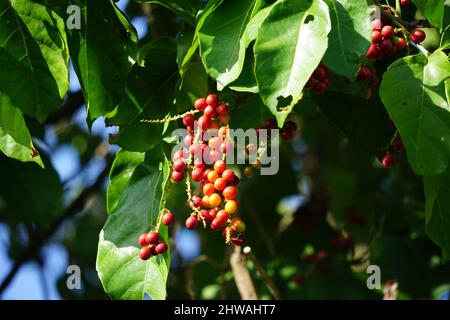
[350,36]
[290,45]
[122,273]
[33,57]
[420,112]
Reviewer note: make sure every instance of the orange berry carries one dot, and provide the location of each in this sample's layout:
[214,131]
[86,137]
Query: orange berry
[238,224]
[220,166]
[231,206]
[230,192]
[212,176]
[215,200]
[206,201]
[208,189]
[220,184]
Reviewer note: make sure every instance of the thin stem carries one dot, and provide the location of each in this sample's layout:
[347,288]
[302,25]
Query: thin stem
[173,118]
[262,273]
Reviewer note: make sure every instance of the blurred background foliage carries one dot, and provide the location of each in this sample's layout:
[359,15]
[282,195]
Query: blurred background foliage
[314,227]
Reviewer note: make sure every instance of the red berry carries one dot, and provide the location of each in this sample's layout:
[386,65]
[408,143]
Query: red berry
[152,237]
[197,174]
[215,225]
[200,104]
[212,100]
[224,118]
[212,213]
[397,145]
[196,201]
[220,184]
[271,124]
[187,141]
[222,109]
[214,125]
[220,166]
[320,73]
[364,74]
[222,217]
[198,163]
[179,165]
[372,52]
[387,31]
[299,279]
[145,253]
[205,215]
[388,161]
[290,126]
[178,155]
[377,25]
[210,112]
[376,37]
[286,135]
[418,36]
[161,248]
[400,44]
[228,175]
[208,189]
[204,122]
[168,218]
[238,239]
[177,176]
[188,120]
[405,3]
[225,147]
[191,222]
[386,46]
[230,192]
[142,240]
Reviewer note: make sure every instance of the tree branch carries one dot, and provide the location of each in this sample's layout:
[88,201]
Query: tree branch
[35,244]
[242,276]
[73,102]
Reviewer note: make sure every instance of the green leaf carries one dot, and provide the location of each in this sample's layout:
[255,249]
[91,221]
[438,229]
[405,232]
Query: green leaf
[187,9]
[149,95]
[193,84]
[33,57]
[251,31]
[247,79]
[433,10]
[222,41]
[32,194]
[103,52]
[350,36]
[445,40]
[420,112]
[290,45]
[122,273]
[15,139]
[437,223]
[437,69]
[362,121]
[123,167]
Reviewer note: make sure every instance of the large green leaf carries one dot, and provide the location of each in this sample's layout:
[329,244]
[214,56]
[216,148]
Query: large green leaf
[149,94]
[433,10]
[33,57]
[363,121]
[187,9]
[103,52]
[437,69]
[32,194]
[350,36]
[420,112]
[15,139]
[123,167]
[222,41]
[251,31]
[437,189]
[247,79]
[290,45]
[445,39]
[122,273]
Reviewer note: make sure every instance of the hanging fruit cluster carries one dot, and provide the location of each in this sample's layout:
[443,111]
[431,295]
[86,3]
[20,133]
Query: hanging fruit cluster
[319,82]
[151,243]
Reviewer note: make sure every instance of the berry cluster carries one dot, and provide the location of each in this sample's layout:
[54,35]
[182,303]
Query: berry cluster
[319,82]
[287,132]
[369,75]
[203,155]
[384,40]
[388,160]
[151,243]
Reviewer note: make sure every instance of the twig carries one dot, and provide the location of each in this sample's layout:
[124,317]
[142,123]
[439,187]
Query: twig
[35,244]
[242,276]
[262,273]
